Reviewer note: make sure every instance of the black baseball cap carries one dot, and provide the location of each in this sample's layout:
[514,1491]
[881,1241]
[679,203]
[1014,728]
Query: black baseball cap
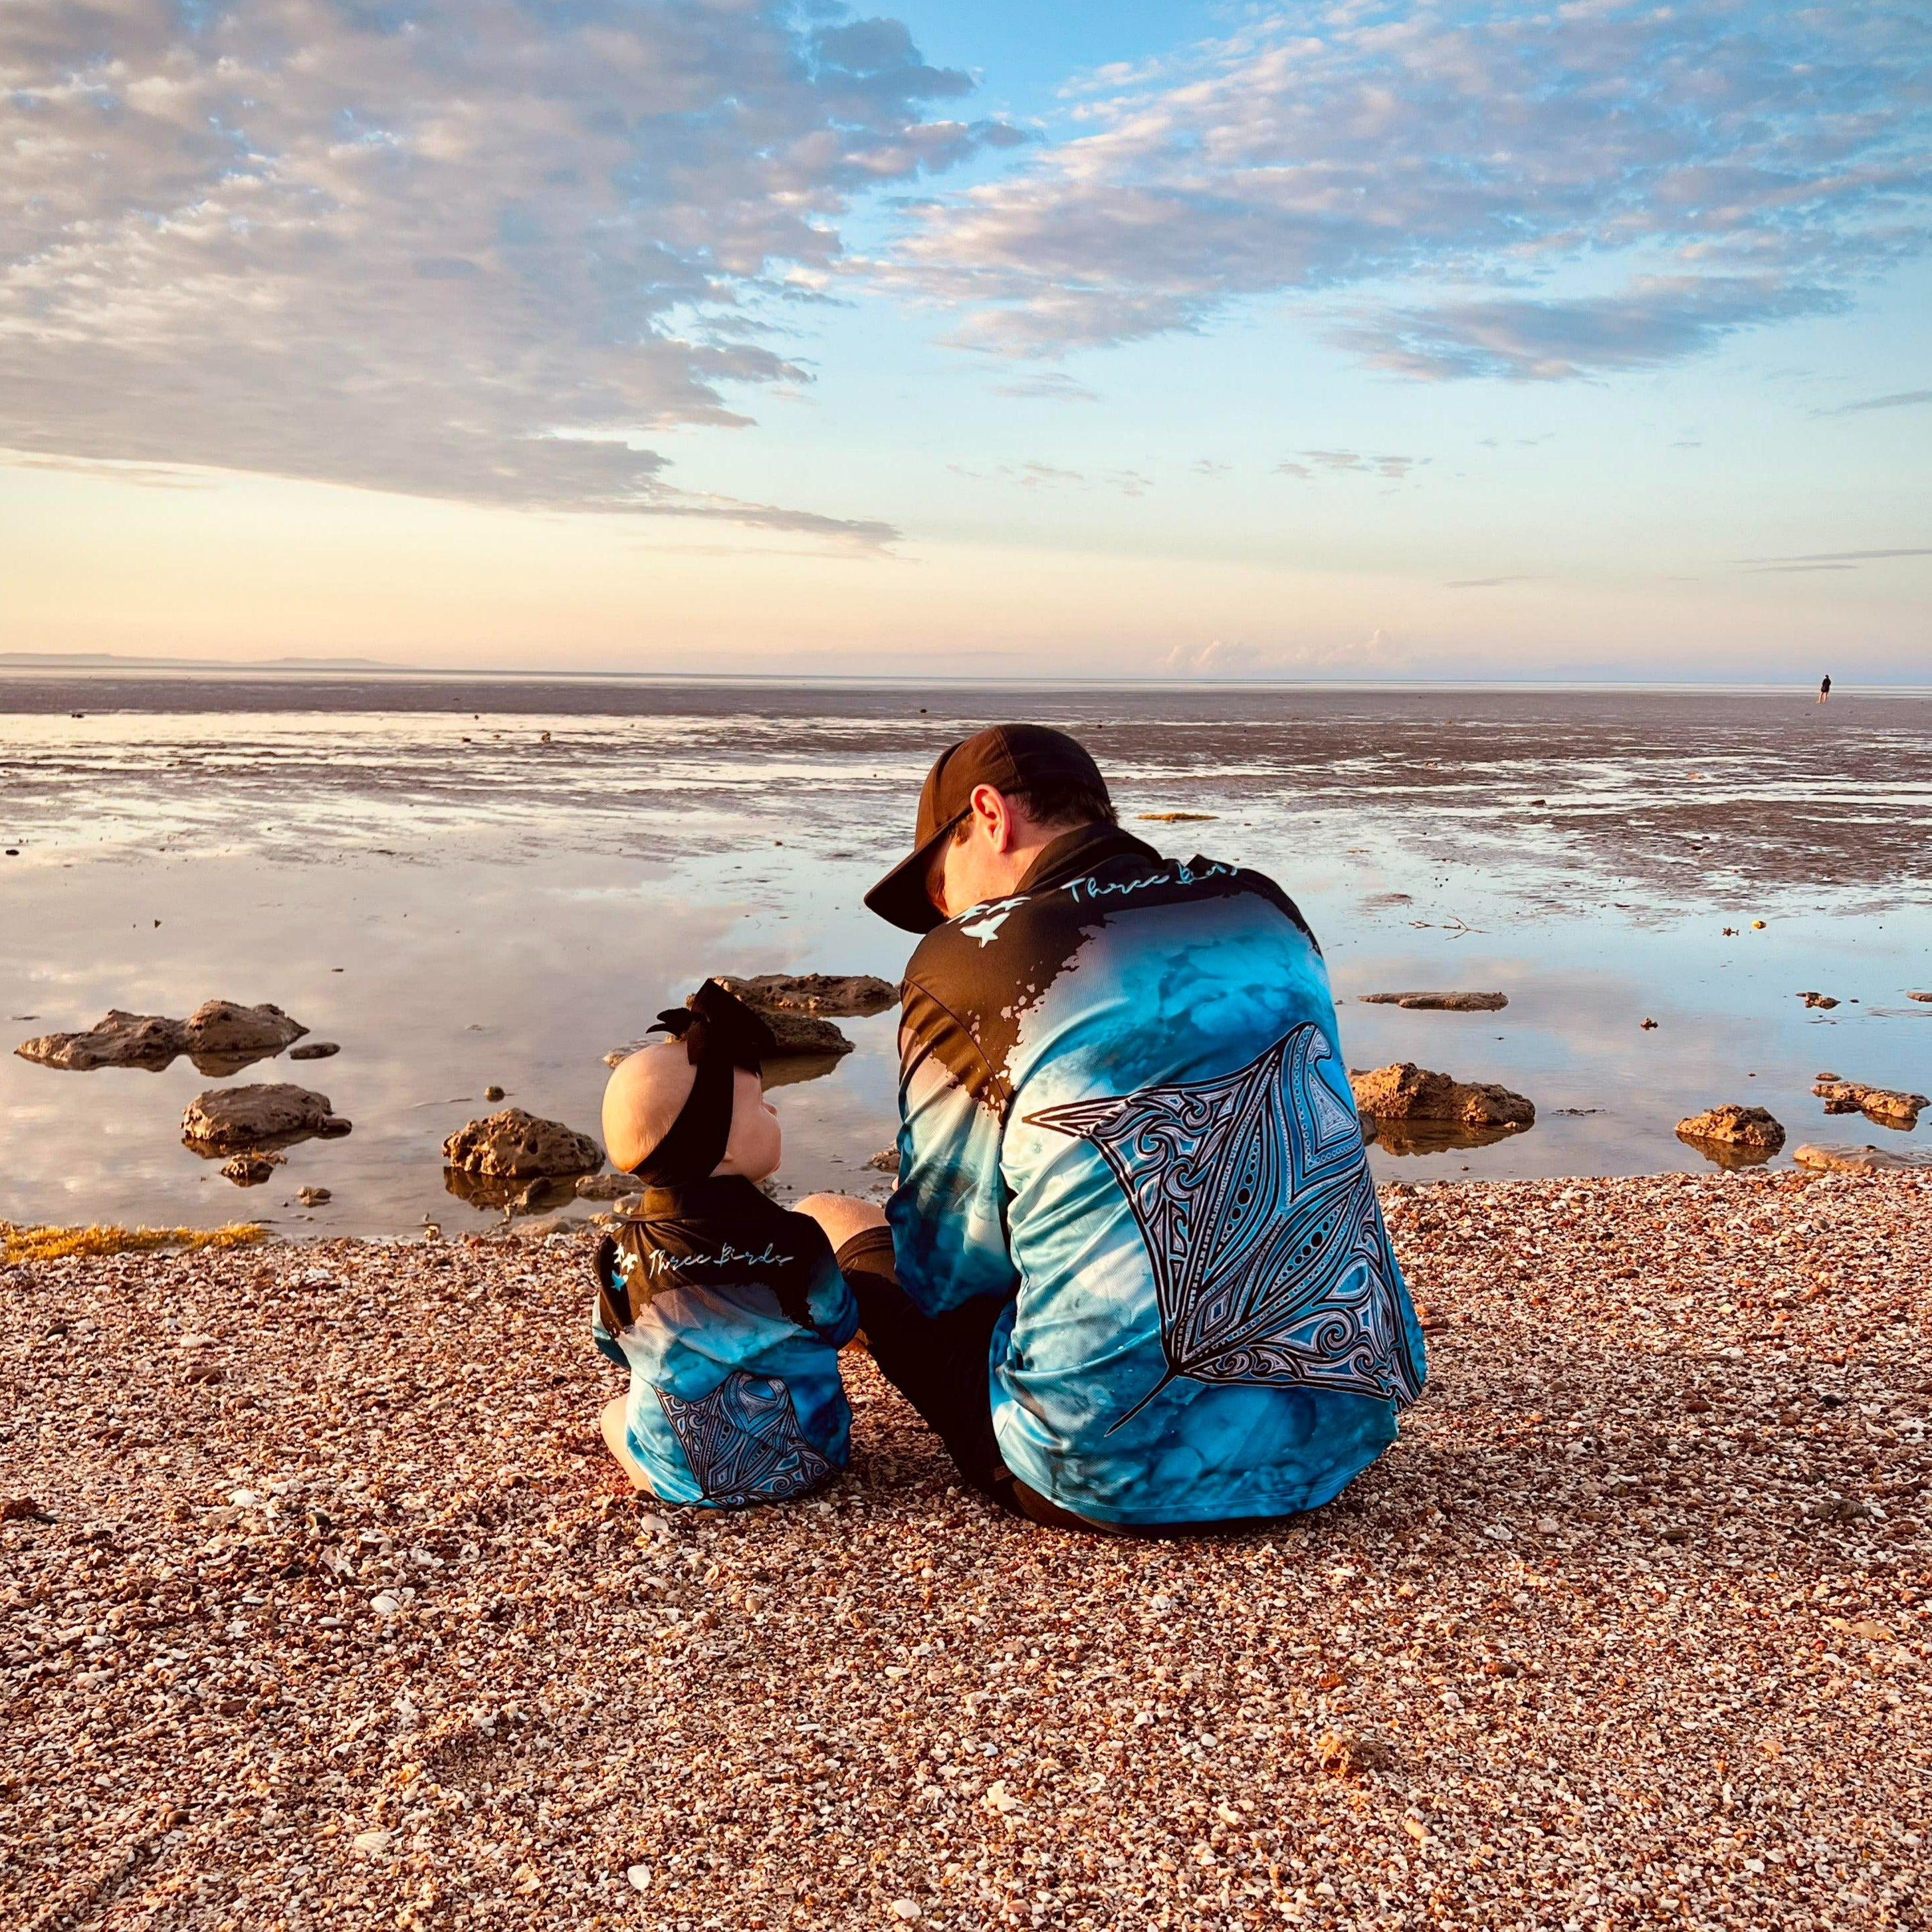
[1008,758]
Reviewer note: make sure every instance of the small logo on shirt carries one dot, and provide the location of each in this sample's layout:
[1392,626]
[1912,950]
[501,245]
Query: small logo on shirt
[726,1256]
[986,928]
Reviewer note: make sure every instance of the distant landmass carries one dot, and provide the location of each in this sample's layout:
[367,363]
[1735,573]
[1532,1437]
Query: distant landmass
[119,661]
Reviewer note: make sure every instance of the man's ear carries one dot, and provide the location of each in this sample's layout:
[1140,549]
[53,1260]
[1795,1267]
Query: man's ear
[990,806]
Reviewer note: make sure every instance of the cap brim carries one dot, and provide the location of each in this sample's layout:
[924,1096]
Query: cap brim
[900,897]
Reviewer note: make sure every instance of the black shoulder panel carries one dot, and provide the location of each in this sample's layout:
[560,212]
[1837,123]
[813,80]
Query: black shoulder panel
[972,981]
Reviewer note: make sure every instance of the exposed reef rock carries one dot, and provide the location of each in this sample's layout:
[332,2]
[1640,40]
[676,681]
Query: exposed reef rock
[221,1030]
[1440,1003]
[147,1040]
[219,1035]
[225,1119]
[1885,1104]
[513,1145]
[798,1029]
[1736,1126]
[608,1187]
[835,995]
[1733,1136]
[250,1170]
[1843,1155]
[1405,1092]
[793,1005]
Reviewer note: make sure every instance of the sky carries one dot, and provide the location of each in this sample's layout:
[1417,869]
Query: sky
[1122,340]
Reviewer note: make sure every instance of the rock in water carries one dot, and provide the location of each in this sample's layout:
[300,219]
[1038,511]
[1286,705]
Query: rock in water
[1824,1000]
[1843,1155]
[220,1026]
[1744,1130]
[1927,998]
[220,1036]
[1884,1105]
[886,1160]
[844,995]
[797,1029]
[315,1049]
[513,1145]
[608,1187]
[148,1040]
[1440,1003]
[231,1117]
[1407,1092]
[313,1197]
[250,1170]
[781,1001]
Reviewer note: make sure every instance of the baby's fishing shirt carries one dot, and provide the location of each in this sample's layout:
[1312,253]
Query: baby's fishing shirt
[738,1314]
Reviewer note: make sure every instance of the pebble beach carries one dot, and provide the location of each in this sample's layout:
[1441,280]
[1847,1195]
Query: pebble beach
[321,1606]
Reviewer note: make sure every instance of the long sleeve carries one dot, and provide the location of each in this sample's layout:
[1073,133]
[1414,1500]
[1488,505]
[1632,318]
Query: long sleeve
[949,1213]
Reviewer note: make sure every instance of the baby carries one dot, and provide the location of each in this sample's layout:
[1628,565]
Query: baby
[728,1312]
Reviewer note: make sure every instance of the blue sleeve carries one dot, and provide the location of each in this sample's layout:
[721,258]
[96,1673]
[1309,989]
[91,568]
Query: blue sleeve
[830,1300]
[838,1327]
[948,1214]
[607,1343]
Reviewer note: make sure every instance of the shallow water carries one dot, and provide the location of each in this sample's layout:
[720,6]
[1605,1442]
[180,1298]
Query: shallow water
[413,869]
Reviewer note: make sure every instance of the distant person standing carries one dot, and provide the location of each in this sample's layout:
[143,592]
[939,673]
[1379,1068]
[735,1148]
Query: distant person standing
[1825,688]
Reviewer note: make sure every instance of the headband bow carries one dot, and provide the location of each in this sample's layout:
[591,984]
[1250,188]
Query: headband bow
[720,1034]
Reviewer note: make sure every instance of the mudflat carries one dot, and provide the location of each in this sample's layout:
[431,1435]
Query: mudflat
[474,889]
[322,1606]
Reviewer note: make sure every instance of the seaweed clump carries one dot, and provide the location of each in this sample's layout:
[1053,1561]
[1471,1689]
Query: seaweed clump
[19,1244]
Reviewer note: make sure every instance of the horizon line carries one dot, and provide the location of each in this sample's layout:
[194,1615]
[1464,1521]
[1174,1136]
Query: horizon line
[374,670]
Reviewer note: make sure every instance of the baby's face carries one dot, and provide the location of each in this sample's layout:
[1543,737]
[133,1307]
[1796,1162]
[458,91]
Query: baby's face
[757,1144]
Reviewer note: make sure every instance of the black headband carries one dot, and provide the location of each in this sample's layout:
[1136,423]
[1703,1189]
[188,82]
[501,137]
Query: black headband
[721,1034]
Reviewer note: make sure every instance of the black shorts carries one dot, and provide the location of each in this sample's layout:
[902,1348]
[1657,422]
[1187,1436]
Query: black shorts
[939,1363]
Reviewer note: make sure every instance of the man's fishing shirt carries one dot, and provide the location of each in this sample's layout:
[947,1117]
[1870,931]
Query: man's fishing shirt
[738,1313]
[1124,1108]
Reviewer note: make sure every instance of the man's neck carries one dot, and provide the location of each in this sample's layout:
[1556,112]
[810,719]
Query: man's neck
[1073,844]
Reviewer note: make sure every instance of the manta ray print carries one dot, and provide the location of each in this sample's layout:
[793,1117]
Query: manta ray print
[743,1442]
[1253,1197]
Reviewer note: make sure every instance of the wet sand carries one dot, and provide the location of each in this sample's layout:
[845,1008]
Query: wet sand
[342,1620]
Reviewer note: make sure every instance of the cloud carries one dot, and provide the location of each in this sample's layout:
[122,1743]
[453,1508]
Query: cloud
[471,248]
[1034,475]
[1829,559]
[1047,385]
[1334,461]
[1220,658]
[1041,475]
[1728,163]
[1905,399]
[1657,320]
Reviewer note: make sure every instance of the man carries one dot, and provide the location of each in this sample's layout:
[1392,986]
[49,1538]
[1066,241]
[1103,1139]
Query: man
[1142,1281]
